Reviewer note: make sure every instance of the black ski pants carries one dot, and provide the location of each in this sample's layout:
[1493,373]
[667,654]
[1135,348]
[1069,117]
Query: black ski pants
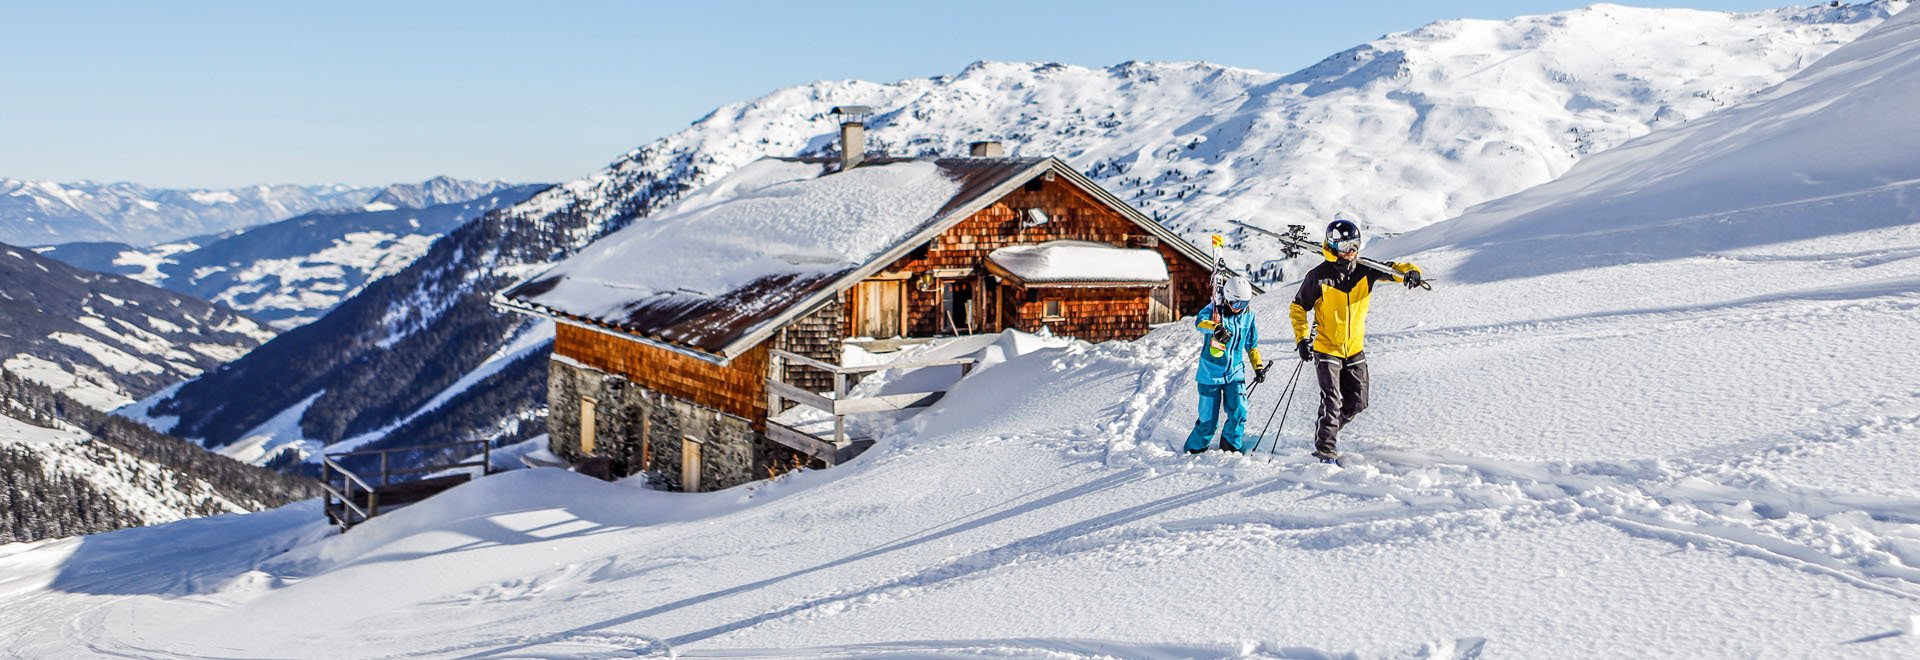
[1343,394]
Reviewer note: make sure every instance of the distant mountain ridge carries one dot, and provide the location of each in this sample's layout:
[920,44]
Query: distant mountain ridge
[106,340]
[288,273]
[45,212]
[1405,130]
[437,191]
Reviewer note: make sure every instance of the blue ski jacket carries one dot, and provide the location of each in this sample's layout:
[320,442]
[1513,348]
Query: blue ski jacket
[1243,347]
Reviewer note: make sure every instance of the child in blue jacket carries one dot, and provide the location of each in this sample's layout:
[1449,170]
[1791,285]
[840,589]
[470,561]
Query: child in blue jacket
[1232,347]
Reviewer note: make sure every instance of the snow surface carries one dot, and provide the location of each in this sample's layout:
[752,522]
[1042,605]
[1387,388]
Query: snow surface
[1080,261]
[279,434]
[772,217]
[1701,444]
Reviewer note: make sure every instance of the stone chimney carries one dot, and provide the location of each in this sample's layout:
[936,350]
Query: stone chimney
[988,149]
[853,134]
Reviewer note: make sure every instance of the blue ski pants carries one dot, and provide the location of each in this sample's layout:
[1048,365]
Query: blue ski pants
[1212,397]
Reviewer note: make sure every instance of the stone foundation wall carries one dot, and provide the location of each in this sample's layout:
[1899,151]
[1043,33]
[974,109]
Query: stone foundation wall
[640,430]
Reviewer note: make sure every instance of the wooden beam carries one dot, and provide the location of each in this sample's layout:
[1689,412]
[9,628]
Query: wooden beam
[800,396]
[802,359]
[802,442]
[837,369]
[886,403]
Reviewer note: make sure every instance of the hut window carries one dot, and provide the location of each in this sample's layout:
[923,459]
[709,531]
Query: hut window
[1052,312]
[690,464]
[587,405]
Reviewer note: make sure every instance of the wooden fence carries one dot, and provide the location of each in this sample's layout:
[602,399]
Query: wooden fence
[837,447]
[356,497]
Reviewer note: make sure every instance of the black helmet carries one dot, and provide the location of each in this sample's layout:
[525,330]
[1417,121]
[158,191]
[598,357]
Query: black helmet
[1343,235]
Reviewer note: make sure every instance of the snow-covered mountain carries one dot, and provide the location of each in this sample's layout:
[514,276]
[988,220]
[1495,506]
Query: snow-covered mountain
[106,340]
[47,212]
[290,272]
[69,470]
[1406,130]
[438,191]
[1704,443]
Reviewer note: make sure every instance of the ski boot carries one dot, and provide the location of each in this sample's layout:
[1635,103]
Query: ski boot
[1327,456]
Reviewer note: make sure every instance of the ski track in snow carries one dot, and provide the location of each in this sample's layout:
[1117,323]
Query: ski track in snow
[1715,497]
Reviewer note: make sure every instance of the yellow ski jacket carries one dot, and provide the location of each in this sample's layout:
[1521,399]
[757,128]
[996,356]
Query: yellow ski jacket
[1336,294]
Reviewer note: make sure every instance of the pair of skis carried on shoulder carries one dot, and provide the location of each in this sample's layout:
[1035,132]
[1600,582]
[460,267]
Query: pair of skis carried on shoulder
[1294,242]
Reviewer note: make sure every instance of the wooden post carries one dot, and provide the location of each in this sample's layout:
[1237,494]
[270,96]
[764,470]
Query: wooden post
[839,394]
[486,457]
[326,478]
[776,373]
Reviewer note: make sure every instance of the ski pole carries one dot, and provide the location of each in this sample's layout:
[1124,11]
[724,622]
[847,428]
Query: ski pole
[1292,387]
[1285,394]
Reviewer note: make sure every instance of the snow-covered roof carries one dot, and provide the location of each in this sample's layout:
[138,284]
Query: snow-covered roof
[717,272]
[1063,262]
[735,254]
[726,265]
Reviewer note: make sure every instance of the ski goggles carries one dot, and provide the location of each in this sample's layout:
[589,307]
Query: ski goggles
[1237,305]
[1343,245]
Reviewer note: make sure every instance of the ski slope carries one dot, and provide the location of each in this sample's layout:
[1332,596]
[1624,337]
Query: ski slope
[1601,472]
[1702,440]
[1574,469]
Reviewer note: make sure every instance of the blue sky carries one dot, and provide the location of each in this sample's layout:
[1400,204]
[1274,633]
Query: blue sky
[222,94]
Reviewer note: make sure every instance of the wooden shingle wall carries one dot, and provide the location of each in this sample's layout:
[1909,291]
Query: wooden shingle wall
[1090,314]
[736,389]
[817,336]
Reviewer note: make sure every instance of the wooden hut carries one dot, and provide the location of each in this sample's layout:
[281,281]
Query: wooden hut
[678,336]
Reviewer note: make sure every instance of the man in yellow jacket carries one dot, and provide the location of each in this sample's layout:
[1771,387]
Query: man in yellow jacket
[1335,293]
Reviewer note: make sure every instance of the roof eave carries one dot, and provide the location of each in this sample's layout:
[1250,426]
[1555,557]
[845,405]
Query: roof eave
[519,307]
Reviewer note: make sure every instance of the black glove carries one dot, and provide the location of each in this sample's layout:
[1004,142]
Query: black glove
[1260,373]
[1306,349]
[1413,278]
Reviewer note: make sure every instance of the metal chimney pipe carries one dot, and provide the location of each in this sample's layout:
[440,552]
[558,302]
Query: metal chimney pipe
[853,134]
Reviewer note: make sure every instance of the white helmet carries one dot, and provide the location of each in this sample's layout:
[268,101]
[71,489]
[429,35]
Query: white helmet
[1239,289]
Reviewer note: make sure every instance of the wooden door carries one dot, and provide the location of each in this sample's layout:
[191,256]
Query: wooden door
[690,464]
[1160,306]
[879,308]
[587,424]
